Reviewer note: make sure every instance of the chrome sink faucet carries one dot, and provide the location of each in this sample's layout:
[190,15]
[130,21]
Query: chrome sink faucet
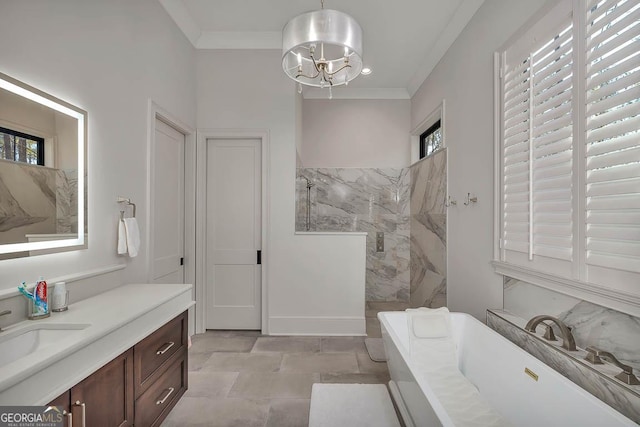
[4,313]
[595,355]
[568,342]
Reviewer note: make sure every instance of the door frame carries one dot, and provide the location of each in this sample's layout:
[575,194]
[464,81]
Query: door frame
[155,111]
[201,217]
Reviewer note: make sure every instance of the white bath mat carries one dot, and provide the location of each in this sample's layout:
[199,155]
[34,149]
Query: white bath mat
[351,405]
[375,348]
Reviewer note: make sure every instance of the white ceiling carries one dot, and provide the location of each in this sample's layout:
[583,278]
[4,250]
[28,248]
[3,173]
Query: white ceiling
[403,39]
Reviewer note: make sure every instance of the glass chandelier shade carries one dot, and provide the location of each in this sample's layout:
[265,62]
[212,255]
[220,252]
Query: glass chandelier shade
[322,48]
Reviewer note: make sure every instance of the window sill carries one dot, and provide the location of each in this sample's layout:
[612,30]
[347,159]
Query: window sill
[617,300]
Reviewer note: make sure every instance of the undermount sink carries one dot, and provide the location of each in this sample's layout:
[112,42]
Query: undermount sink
[24,340]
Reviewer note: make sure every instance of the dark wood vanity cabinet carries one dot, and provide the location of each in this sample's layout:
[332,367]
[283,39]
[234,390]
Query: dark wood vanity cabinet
[139,387]
[160,372]
[153,406]
[64,400]
[105,398]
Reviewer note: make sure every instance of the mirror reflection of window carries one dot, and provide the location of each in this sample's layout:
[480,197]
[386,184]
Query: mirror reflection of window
[21,147]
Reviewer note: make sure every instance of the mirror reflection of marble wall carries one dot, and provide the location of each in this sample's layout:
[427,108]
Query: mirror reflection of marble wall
[38,202]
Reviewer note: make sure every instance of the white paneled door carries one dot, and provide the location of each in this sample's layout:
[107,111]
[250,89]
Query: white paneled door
[168,205]
[234,236]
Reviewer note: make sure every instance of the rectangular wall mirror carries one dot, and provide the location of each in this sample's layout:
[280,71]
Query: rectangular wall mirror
[42,172]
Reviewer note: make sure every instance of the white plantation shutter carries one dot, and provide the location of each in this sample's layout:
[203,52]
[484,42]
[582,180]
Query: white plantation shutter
[516,143]
[552,141]
[570,149]
[613,135]
[537,147]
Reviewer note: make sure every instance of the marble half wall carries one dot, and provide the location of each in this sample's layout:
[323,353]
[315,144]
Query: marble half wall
[428,231]
[592,325]
[362,199]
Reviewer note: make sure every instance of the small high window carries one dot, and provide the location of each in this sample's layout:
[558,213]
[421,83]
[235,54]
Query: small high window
[21,147]
[431,140]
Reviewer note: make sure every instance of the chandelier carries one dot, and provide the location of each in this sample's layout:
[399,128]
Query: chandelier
[322,49]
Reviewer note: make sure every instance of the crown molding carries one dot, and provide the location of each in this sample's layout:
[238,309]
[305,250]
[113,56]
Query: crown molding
[239,40]
[273,40]
[452,30]
[183,19]
[219,39]
[357,93]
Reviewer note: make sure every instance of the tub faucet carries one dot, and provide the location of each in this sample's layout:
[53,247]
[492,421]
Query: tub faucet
[568,343]
[594,355]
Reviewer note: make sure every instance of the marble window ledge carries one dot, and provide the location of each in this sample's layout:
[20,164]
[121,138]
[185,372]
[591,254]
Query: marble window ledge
[596,379]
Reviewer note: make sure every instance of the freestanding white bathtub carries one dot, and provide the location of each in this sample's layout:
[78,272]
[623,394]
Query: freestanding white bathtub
[496,367]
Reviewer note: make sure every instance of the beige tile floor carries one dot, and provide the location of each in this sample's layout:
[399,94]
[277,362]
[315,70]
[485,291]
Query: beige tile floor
[240,378]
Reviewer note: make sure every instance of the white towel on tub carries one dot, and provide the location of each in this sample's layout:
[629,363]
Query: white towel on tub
[431,343]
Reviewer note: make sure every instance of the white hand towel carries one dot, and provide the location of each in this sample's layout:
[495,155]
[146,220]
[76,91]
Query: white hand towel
[133,236]
[122,238]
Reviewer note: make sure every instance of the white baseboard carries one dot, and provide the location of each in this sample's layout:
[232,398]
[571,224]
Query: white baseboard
[308,325]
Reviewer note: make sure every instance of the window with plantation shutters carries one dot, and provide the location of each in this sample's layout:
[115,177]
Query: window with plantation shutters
[569,144]
[537,146]
[612,72]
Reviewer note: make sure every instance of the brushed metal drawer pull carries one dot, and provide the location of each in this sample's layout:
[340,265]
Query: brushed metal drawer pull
[69,417]
[161,401]
[84,412]
[164,350]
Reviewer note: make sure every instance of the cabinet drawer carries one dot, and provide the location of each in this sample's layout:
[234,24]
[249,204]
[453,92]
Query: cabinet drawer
[157,401]
[157,349]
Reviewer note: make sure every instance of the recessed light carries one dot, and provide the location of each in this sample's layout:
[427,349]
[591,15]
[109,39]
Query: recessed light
[366,71]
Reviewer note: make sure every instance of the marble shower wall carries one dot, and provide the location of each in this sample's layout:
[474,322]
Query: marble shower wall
[592,325]
[36,200]
[428,247]
[363,199]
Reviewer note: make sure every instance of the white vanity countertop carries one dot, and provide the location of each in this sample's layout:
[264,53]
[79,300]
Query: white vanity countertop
[116,319]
